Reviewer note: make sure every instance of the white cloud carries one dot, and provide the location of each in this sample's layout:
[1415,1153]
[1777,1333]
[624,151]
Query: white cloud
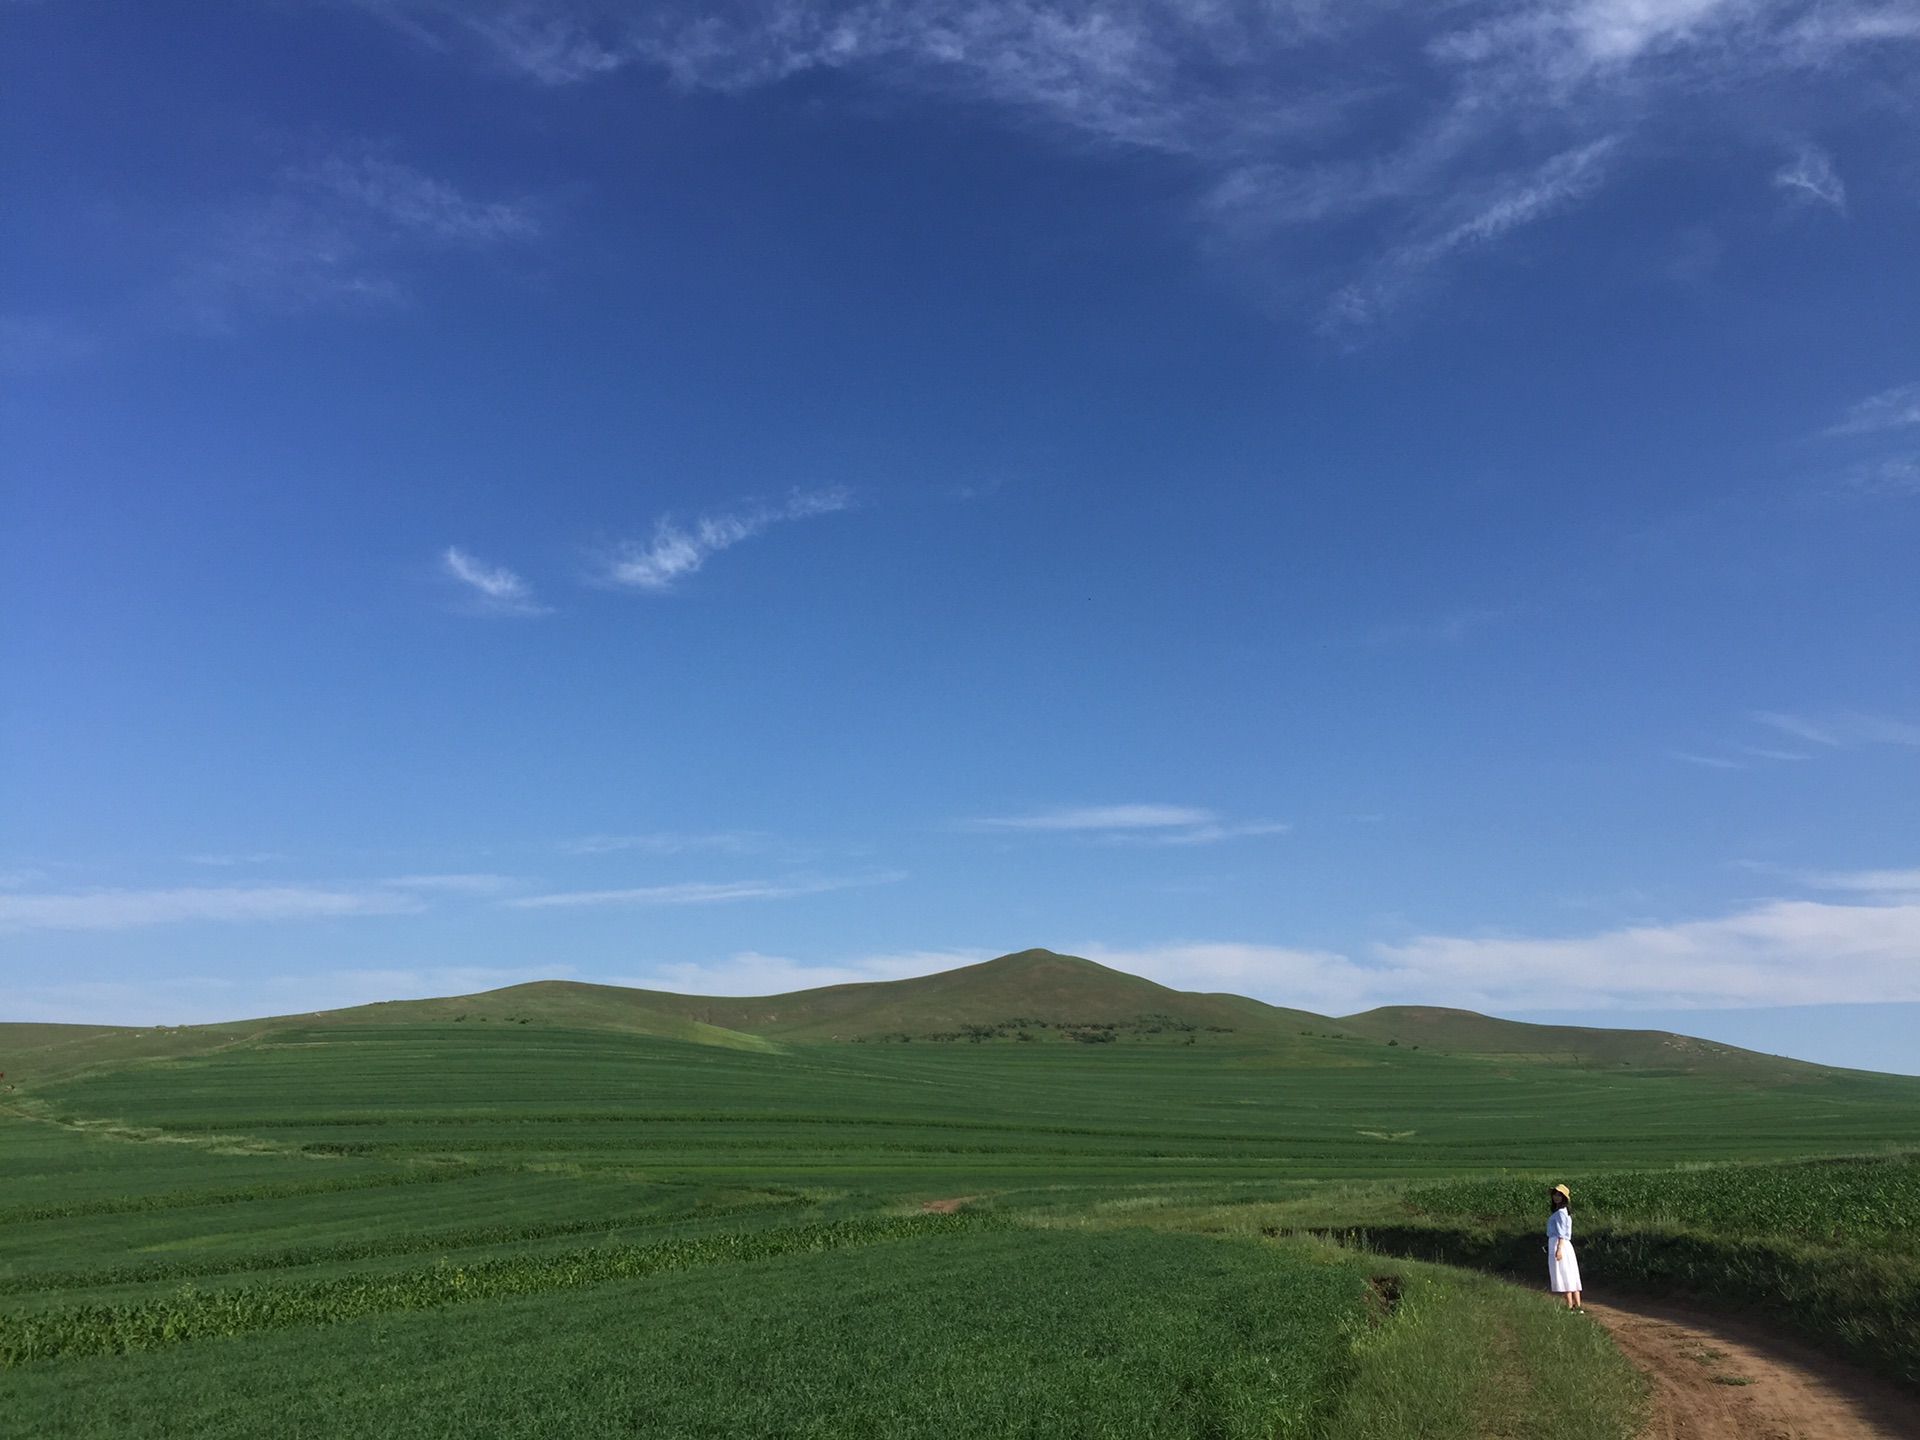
[1891,477]
[458,884]
[705,892]
[1797,726]
[1810,179]
[1135,824]
[1902,885]
[1323,981]
[1777,952]
[1101,817]
[1770,952]
[1454,627]
[36,344]
[677,551]
[1708,762]
[1210,833]
[732,842]
[752,973]
[1557,183]
[1288,117]
[1845,730]
[342,232]
[490,589]
[200,1000]
[417,206]
[127,909]
[225,859]
[1894,409]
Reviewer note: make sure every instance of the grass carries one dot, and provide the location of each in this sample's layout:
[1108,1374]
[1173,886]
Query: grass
[457,1226]
[1861,1201]
[951,1335]
[189,1314]
[1467,1357]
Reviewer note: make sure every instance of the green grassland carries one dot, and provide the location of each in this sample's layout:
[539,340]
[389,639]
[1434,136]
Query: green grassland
[563,1206]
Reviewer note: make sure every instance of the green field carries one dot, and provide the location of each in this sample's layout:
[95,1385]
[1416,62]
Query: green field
[490,1216]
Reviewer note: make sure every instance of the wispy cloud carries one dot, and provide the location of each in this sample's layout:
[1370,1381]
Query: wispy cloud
[1454,627]
[489,589]
[1100,817]
[1779,952]
[1810,179]
[1555,185]
[203,999]
[233,858]
[753,973]
[1773,752]
[1708,762]
[1211,832]
[1364,146]
[1889,477]
[1146,824]
[1845,730]
[704,892]
[1773,952]
[1823,733]
[1894,409]
[35,344]
[130,909]
[344,231]
[1899,885]
[663,842]
[455,884]
[1879,432]
[676,551]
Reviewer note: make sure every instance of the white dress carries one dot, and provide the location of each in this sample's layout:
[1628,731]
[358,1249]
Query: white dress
[1562,1274]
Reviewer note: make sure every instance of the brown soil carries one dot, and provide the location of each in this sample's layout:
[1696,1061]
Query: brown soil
[1717,1378]
[946,1207]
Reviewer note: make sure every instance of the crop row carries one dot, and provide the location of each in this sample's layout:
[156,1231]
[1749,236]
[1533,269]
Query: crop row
[1193,1146]
[272,1190]
[347,1251]
[1835,1201]
[194,1314]
[508,1119]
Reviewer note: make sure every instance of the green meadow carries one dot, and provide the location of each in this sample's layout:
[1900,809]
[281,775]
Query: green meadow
[493,1216]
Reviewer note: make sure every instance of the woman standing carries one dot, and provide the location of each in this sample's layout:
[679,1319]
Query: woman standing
[1563,1268]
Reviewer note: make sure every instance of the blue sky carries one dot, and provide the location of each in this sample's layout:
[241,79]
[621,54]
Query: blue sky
[1351,504]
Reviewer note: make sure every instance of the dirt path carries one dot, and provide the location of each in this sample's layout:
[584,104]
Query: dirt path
[946,1207]
[1718,1378]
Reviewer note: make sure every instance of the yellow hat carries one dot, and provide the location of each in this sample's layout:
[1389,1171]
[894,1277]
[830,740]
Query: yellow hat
[1562,1190]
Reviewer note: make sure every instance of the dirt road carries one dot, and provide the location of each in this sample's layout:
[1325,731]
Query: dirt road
[1718,1378]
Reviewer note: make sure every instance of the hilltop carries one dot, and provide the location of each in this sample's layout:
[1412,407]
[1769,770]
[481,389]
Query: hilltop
[1030,996]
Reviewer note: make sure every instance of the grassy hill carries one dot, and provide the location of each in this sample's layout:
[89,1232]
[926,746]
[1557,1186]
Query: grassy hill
[1466,1032]
[1030,991]
[1026,997]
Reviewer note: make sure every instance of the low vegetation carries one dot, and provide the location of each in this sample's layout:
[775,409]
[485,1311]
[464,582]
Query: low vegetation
[1843,1201]
[1825,1248]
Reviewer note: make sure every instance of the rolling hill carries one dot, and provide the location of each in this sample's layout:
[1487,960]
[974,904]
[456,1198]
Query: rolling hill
[1026,997]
